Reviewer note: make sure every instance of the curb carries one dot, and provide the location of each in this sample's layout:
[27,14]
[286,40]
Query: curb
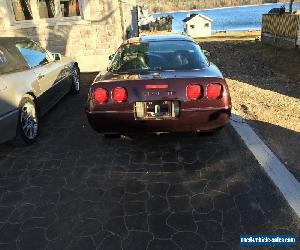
[274,168]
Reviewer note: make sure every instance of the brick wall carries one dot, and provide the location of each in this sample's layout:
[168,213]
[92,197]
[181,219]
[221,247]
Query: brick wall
[89,41]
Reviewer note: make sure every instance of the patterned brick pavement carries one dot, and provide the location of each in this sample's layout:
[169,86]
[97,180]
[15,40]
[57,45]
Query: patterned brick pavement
[75,189]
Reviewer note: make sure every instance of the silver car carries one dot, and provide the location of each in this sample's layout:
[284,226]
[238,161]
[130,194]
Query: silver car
[32,81]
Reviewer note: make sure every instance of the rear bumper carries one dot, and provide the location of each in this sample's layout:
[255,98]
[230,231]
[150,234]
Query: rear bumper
[8,125]
[189,121]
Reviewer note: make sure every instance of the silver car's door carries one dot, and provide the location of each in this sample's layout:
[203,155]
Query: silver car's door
[48,72]
[5,105]
[62,84]
[8,113]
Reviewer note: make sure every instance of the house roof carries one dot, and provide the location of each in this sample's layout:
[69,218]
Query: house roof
[194,15]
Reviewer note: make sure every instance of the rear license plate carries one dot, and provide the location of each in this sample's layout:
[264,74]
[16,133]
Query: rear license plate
[156,110]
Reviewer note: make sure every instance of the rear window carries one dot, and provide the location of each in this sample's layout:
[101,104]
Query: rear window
[156,56]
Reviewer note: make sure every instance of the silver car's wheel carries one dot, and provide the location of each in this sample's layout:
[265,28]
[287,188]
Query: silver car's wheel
[75,80]
[28,121]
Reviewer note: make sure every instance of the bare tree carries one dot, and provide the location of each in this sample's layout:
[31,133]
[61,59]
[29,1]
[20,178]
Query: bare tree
[291,5]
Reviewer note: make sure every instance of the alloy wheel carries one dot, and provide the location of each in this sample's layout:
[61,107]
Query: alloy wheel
[29,121]
[76,79]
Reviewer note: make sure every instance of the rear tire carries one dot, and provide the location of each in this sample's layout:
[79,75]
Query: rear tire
[211,132]
[75,88]
[112,135]
[28,122]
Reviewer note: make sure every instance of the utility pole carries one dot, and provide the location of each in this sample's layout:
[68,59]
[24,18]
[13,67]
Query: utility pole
[291,5]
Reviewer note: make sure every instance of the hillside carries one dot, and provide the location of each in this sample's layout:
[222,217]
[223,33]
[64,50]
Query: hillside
[173,5]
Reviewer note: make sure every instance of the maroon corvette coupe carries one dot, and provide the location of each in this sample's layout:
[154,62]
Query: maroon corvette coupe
[159,84]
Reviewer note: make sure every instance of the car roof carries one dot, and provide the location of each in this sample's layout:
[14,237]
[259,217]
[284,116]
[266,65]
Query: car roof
[11,58]
[159,38]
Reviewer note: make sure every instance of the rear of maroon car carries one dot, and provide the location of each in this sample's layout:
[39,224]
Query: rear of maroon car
[176,100]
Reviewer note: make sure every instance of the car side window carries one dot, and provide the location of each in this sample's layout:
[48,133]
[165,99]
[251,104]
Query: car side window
[33,53]
[116,63]
[3,59]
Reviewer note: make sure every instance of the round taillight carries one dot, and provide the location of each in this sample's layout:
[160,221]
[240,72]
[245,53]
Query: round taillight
[119,94]
[100,95]
[193,91]
[214,91]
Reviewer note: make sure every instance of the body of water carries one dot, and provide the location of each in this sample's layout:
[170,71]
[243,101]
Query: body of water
[244,18]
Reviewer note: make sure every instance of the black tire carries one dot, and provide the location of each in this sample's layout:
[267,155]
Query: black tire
[28,121]
[112,135]
[219,129]
[75,87]
[210,132]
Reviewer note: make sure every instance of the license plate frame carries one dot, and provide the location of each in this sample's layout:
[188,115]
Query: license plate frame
[156,110]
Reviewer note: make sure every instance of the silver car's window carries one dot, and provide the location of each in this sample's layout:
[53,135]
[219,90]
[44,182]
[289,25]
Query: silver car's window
[2,58]
[33,54]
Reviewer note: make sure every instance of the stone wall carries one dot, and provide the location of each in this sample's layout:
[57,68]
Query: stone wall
[90,40]
[1,20]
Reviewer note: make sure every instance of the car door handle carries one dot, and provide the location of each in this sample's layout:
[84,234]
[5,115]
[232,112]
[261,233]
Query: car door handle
[40,77]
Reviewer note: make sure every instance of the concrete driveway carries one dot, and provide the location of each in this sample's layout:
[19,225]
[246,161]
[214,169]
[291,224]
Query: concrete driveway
[74,189]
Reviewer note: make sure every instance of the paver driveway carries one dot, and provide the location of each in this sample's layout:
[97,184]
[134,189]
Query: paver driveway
[74,189]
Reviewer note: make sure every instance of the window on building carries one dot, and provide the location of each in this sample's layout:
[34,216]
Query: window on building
[70,8]
[22,10]
[33,54]
[192,26]
[206,25]
[46,8]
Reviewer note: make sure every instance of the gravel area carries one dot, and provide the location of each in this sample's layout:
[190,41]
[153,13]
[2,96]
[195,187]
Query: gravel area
[264,84]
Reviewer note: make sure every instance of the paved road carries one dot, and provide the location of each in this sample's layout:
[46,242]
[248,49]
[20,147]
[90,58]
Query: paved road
[74,189]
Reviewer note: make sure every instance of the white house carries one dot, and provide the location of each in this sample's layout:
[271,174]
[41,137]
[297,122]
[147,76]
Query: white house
[197,25]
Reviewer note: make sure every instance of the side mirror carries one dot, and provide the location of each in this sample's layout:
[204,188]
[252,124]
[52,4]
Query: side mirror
[111,57]
[206,53]
[57,56]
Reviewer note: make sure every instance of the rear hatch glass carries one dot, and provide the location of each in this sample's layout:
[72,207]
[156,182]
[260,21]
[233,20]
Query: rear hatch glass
[158,56]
